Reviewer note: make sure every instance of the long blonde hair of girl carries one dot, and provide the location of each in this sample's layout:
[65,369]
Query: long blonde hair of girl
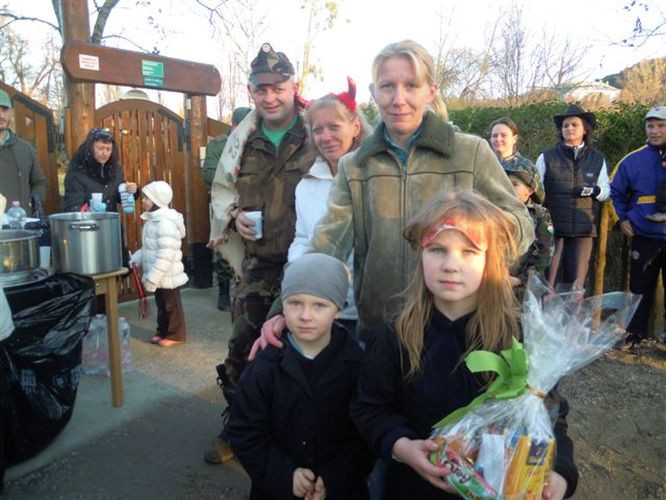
[495,320]
[423,67]
[332,102]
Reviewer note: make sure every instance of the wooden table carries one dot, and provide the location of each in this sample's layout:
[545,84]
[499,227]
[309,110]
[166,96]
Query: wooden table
[107,284]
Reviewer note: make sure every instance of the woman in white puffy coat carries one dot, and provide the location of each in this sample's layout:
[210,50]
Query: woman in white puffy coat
[162,261]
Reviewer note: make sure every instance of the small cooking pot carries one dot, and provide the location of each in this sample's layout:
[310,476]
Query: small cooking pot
[19,253]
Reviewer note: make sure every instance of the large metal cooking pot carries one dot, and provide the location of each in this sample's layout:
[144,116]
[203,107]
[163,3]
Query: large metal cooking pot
[19,253]
[86,242]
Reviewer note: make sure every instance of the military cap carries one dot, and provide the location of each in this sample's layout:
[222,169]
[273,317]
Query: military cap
[529,175]
[270,67]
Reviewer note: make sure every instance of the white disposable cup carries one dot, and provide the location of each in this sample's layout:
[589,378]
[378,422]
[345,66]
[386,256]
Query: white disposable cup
[44,257]
[96,198]
[255,216]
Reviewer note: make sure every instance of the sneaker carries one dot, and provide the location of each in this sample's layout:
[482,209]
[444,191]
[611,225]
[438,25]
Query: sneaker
[218,452]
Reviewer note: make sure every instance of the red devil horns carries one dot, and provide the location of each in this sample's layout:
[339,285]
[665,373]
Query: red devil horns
[348,98]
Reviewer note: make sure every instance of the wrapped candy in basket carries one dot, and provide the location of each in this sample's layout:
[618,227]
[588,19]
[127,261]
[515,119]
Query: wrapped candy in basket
[502,445]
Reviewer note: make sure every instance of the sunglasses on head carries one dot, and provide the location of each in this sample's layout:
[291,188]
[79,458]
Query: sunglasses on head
[103,134]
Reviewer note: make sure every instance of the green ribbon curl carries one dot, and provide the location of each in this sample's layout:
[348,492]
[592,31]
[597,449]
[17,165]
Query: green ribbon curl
[511,369]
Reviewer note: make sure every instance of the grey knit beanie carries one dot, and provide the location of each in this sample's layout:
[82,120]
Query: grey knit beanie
[319,275]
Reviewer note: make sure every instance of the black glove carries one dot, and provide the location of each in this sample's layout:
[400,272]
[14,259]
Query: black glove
[586,191]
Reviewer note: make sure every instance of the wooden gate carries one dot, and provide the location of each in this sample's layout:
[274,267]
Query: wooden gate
[151,139]
[34,123]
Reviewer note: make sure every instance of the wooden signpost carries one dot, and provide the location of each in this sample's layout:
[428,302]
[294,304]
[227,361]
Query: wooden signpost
[95,63]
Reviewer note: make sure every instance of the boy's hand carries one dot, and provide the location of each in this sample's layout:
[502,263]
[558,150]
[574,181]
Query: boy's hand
[304,482]
[414,452]
[555,488]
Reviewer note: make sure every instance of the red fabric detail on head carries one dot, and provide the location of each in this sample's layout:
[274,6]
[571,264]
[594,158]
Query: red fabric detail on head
[348,98]
[299,99]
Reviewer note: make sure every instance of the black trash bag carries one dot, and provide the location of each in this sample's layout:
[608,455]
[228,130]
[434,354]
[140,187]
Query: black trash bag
[40,362]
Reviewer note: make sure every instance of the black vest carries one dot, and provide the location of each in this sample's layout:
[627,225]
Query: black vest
[572,216]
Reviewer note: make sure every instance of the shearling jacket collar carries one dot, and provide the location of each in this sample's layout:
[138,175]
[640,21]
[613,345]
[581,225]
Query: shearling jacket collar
[435,134]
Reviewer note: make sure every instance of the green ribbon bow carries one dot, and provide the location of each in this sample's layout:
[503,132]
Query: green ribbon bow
[511,368]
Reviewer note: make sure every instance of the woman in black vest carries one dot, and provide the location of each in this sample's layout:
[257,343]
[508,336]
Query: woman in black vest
[575,178]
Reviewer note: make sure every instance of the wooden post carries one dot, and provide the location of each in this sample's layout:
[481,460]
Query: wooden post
[602,243]
[197,195]
[80,96]
[197,203]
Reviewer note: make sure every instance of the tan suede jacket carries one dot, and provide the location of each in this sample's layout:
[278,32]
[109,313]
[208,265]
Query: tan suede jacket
[374,195]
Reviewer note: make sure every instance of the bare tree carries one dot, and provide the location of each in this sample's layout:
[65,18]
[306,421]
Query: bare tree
[525,66]
[320,15]
[648,19]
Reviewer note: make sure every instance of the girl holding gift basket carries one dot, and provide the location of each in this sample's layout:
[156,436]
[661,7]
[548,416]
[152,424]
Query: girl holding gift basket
[459,299]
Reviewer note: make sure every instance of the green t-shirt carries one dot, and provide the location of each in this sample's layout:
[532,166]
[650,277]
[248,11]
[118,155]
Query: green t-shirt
[276,136]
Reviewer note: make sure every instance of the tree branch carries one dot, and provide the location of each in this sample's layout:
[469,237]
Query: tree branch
[103,15]
[142,49]
[14,18]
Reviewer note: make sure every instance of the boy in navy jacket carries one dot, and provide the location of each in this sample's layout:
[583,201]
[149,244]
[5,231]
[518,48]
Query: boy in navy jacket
[290,426]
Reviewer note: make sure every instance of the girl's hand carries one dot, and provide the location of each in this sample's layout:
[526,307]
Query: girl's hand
[131,187]
[304,482]
[555,488]
[414,452]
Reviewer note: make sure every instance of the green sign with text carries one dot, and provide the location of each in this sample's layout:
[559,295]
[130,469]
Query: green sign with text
[153,73]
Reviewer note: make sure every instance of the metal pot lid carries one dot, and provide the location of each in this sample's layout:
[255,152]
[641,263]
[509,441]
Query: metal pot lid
[9,235]
[74,216]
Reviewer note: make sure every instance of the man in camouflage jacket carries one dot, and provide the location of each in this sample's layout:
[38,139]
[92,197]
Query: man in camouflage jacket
[263,160]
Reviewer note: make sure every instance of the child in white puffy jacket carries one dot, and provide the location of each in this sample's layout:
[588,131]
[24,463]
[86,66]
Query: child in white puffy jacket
[162,261]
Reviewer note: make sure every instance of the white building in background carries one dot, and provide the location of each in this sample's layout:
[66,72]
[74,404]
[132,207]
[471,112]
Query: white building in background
[581,91]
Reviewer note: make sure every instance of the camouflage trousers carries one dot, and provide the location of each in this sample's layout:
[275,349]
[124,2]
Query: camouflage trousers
[252,300]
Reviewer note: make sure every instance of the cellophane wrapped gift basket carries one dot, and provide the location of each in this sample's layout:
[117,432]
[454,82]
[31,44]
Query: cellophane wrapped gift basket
[502,445]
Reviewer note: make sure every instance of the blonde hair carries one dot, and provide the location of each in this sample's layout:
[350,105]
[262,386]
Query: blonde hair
[332,102]
[423,67]
[495,320]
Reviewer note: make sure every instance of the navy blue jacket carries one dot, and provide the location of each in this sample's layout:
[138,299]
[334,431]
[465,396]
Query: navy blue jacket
[388,408]
[633,190]
[283,417]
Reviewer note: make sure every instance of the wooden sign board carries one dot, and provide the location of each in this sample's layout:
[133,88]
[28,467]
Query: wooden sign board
[95,63]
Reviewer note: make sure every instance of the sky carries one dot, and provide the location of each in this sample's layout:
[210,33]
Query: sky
[364,27]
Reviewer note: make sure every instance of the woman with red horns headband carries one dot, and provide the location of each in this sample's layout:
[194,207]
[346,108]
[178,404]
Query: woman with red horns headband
[336,129]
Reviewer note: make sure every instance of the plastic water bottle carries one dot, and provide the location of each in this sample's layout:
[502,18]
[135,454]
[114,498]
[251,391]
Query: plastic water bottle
[95,352]
[16,216]
[125,346]
[126,198]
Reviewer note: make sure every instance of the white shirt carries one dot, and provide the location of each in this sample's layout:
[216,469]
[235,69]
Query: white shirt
[311,205]
[602,180]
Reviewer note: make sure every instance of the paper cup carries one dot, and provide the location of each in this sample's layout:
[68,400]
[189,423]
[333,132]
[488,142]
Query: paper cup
[44,257]
[255,217]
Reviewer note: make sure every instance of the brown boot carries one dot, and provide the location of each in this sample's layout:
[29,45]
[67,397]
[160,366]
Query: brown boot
[218,452]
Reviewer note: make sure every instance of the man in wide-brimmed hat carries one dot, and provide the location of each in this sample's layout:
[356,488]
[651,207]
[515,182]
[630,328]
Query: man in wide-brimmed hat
[575,178]
[638,192]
